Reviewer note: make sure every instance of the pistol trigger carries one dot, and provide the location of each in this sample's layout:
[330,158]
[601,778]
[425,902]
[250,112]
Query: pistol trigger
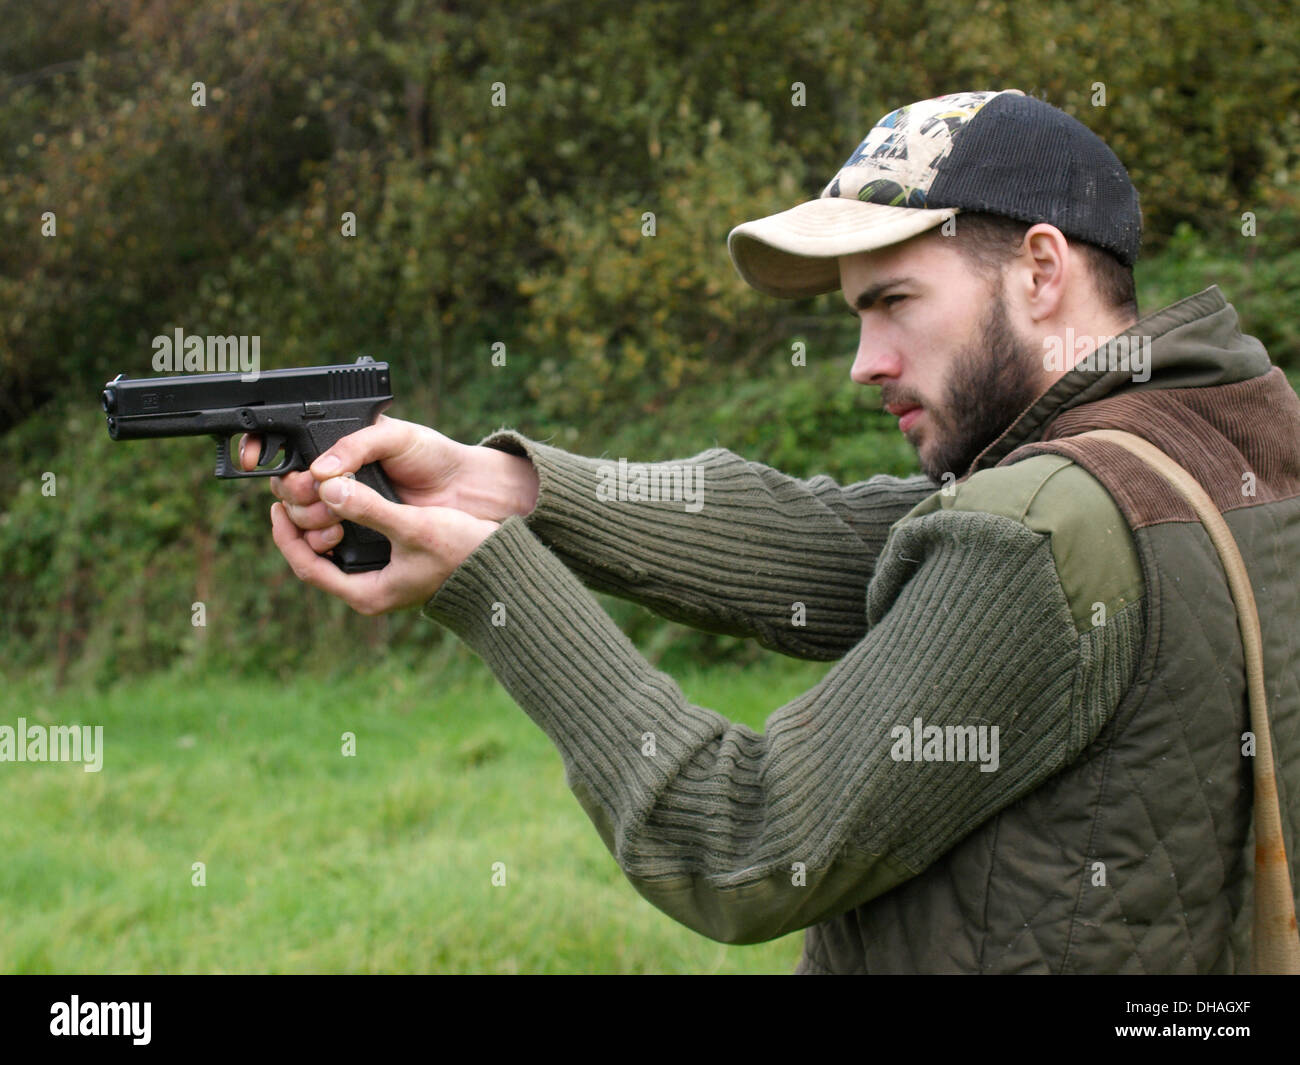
[271,444]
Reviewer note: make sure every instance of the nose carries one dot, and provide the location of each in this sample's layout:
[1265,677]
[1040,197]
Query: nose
[875,362]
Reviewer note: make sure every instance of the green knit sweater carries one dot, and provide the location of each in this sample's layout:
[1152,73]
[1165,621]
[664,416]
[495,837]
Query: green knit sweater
[984,635]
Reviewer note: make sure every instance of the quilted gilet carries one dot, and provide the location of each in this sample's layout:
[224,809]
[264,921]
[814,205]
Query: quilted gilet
[1138,857]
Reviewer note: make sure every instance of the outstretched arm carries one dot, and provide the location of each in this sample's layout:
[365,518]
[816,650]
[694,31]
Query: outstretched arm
[713,541]
[722,543]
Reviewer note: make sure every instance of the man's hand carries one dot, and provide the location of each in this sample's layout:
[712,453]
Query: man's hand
[430,533]
[427,469]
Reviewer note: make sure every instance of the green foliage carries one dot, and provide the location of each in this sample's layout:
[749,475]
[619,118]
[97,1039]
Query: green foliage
[1258,275]
[638,302]
[521,226]
[477,223]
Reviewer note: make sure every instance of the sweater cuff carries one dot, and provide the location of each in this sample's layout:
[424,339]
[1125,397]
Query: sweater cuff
[513,589]
[465,602]
[567,484]
[560,474]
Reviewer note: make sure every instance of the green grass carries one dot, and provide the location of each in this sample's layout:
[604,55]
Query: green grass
[317,862]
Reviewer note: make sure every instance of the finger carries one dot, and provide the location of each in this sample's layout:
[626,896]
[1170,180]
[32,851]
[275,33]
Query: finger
[349,498]
[316,516]
[322,540]
[355,589]
[298,488]
[250,450]
[387,438]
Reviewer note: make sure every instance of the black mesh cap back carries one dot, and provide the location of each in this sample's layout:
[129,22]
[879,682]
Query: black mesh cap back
[1025,159]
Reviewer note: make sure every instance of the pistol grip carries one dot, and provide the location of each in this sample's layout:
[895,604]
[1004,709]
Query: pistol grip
[361,549]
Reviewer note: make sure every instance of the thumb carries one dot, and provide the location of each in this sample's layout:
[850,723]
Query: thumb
[349,498]
[387,438]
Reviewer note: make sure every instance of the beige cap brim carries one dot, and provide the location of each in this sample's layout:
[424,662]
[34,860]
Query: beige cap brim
[793,254]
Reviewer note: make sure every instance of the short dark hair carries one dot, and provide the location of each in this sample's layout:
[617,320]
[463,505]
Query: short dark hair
[989,241]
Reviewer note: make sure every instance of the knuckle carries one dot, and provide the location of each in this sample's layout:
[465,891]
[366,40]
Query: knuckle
[425,538]
[302,489]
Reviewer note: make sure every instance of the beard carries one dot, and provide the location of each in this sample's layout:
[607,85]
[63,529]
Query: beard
[993,380]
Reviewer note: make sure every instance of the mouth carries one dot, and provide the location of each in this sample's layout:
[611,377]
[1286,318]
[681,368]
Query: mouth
[907,414]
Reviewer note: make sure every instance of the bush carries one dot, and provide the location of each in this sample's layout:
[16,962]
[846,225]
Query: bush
[516,229]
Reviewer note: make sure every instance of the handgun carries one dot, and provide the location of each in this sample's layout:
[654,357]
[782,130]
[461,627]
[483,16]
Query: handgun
[303,412]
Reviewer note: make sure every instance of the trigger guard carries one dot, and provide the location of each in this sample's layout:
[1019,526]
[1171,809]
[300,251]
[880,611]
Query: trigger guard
[230,470]
[287,466]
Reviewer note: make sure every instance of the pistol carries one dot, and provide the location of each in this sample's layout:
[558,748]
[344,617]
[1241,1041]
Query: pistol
[301,412]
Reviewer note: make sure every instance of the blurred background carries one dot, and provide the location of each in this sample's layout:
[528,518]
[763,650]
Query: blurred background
[476,226]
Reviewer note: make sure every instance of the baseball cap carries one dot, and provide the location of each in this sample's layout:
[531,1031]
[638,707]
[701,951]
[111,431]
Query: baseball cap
[1002,153]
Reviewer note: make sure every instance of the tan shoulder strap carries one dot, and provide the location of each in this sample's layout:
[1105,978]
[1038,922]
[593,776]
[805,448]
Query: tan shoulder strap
[1275,944]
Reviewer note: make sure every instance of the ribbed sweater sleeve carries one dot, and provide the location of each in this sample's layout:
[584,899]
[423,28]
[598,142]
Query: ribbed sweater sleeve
[759,547]
[745,837]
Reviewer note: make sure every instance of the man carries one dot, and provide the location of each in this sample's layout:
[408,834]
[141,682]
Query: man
[1029,756]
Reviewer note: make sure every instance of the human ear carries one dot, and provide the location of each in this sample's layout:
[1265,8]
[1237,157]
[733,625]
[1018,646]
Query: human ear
[1045,263]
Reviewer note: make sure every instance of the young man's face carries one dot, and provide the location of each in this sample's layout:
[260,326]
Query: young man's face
[935,336]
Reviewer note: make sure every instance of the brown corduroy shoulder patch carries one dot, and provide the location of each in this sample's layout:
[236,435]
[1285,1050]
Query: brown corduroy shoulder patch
[1240,441]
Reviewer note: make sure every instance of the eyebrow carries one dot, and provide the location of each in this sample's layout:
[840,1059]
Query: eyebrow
[868,296]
